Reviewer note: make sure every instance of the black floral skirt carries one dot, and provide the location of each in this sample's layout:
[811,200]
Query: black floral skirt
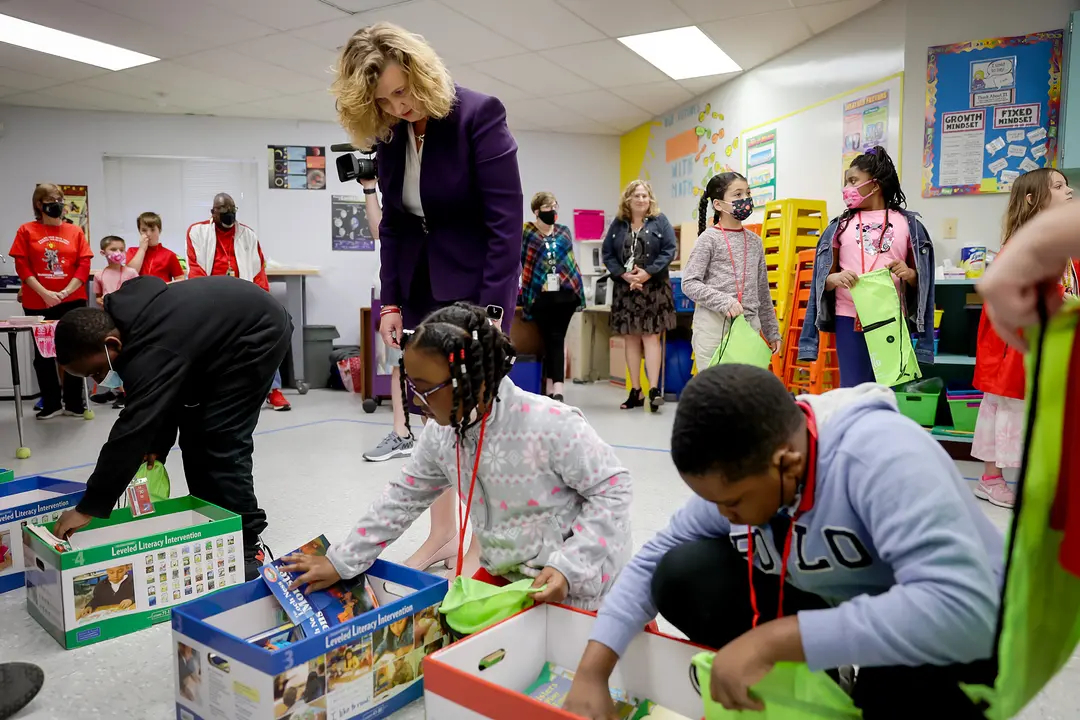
[649,311]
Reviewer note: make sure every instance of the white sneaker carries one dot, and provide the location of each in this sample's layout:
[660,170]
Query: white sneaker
[392,446]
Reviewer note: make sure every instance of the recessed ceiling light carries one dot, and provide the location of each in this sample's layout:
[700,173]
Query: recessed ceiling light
[682,53]
[73,47]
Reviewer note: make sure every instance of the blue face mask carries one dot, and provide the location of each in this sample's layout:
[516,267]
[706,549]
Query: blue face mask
[112,381]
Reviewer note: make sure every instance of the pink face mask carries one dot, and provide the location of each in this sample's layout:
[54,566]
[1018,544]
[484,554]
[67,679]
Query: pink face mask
[116,258]
[852,197]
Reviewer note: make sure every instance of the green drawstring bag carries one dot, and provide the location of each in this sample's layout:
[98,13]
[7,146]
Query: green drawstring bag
[472,605]
[744,345]
[1040,619]
[885,329]
[790,692]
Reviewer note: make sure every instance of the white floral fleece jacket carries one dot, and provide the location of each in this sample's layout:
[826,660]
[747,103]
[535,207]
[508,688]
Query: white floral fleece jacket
[549,492]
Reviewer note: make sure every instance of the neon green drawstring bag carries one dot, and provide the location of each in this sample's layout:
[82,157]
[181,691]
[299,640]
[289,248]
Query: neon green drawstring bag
[885,329]
[472,605]
[1040,620]
[744,345]
[790,692]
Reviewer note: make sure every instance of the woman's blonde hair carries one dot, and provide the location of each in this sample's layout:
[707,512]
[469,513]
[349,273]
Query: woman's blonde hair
[624,212]
[363,60]
[1036,184]
[41,192]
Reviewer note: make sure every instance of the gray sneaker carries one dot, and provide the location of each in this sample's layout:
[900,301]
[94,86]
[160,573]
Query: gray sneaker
[392,446]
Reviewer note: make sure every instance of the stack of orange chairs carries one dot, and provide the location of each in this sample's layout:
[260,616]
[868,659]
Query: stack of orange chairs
[823,373]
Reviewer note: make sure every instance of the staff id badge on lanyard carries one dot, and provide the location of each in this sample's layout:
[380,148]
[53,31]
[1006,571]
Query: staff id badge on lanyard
[551,282]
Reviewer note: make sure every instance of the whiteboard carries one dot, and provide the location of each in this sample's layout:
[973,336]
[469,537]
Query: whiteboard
[804,154]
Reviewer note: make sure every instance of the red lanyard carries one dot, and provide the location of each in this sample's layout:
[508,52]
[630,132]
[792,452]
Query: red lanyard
[463,519]
[805,503]
[739,287]
[862,238]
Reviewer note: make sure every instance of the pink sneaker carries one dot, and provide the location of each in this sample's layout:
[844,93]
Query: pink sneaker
[995,491]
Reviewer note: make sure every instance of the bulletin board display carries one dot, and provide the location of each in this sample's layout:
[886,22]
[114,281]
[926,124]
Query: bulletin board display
[992,111]
[296,167]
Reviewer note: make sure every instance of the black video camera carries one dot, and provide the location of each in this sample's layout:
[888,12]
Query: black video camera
[355,167]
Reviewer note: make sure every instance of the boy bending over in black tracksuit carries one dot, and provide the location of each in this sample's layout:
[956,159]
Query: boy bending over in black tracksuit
[196,356]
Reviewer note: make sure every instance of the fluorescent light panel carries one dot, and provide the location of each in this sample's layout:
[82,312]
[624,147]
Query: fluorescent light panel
[73,47]
[682,53]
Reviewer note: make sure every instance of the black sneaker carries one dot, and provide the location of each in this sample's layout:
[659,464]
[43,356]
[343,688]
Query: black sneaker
[20,682]
[120,400]
[46,413]
[77,412]
[102,398]
[255,561]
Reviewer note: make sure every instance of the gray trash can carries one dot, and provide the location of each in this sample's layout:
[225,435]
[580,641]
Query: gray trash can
[318,344]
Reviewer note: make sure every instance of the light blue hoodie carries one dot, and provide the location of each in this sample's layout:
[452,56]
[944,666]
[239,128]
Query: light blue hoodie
[895,542]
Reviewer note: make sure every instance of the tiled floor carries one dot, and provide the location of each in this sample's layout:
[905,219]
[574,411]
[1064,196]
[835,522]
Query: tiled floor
[311,479]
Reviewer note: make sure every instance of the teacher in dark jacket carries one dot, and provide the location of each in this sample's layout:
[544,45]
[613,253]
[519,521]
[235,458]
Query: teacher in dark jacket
[638,248]
[452,201]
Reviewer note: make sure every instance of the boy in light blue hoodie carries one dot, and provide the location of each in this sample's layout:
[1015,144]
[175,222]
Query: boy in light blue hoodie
[887,561]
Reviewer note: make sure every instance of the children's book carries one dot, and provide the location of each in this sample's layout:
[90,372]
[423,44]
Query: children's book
[553,683]
[278,637]
[59,544]
[320,610]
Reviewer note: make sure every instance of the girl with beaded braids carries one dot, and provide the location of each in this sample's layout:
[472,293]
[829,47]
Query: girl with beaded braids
[547,497]
[725,274]
[876,231]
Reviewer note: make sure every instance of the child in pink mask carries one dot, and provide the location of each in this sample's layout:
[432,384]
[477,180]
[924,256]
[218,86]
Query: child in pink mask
[876,231]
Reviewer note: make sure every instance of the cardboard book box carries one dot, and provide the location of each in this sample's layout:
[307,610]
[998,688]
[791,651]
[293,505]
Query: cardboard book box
[33,500]
[489,674]
[125,574]
[366,667]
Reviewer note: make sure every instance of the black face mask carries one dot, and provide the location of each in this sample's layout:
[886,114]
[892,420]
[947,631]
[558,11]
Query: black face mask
[547,216]
[53,209]
[227,219]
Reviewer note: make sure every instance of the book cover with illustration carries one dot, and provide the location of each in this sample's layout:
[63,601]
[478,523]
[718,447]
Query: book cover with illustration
[321,610]
[553,684]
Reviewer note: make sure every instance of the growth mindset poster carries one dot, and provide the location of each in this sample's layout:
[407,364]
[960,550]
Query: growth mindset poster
[992,110]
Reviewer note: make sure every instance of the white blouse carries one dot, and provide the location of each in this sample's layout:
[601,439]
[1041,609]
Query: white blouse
[410,189]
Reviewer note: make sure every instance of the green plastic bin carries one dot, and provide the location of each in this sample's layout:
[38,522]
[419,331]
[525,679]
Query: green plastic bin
[964,413]
[920,407]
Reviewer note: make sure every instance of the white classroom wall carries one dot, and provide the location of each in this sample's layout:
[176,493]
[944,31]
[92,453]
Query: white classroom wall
[41,145]
[934,22]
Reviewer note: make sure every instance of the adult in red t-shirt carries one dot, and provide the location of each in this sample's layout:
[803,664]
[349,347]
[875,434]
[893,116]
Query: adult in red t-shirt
[52,259]
[151,257]
[222,246]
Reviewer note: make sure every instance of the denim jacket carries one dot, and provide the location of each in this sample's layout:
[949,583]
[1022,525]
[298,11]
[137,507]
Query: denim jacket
[660,246]
[821,311]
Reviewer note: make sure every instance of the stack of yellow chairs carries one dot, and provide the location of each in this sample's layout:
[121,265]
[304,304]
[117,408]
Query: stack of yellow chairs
[790,227]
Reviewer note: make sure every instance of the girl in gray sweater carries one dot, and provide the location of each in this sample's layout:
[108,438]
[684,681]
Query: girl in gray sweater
[725,274]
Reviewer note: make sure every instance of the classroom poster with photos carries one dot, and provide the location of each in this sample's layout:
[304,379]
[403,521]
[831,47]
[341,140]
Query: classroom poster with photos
[77,206]
[866,125]
[992,112]
[157,579]
[296,167]
[761,166]
[349,226]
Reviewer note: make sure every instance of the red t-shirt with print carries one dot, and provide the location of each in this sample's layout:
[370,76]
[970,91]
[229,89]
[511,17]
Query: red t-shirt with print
[54,254]
[158,261]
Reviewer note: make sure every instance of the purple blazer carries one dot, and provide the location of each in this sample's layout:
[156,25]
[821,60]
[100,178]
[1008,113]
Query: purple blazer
[470,189]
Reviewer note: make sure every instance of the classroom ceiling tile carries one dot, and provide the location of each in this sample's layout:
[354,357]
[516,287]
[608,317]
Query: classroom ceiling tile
[534,74]
[707,10]
[285,14]
[24,81]
[191,97]
[753,40]
[602,106]
[608,63]
[699,85]
[536,24]
[822,17]
[173,77]
[38,99]
[5,91]
[291,53]
[468,76]
[617,18]
[658,97]
[309,106]
[232,65]
[542,112]
[359,6]
[198,18]
[19,59]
